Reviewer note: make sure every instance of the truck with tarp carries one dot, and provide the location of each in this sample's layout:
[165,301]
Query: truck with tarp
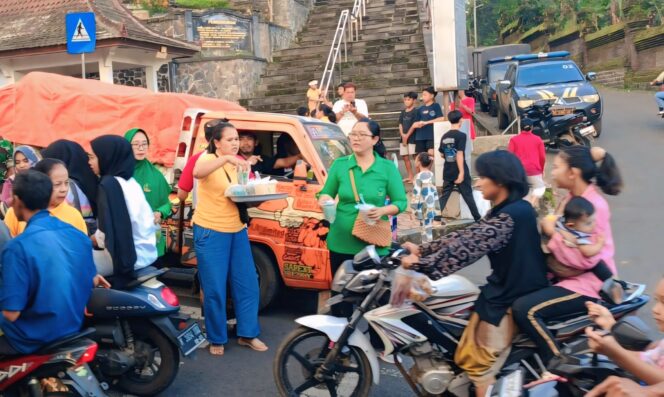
[288,236]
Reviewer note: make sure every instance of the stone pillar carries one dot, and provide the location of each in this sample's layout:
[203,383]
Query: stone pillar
[106,70]
[255,36]
[151,81]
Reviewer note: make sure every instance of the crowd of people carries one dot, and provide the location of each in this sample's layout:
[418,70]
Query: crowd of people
[101,211]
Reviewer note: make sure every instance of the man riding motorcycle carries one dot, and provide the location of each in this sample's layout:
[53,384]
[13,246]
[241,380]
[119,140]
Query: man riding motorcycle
[47,273]
[659,97]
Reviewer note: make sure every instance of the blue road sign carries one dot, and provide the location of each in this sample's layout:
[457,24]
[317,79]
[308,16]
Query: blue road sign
[81,32]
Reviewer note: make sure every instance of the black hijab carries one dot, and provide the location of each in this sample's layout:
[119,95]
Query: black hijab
[76,160]
[116,159]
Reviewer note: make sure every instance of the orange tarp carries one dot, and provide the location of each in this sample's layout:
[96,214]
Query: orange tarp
[44,107]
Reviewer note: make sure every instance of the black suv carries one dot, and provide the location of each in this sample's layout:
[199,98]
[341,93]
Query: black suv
[548,76]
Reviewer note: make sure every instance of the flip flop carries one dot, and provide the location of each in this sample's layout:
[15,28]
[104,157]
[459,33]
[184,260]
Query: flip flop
[253,344]
[216,350]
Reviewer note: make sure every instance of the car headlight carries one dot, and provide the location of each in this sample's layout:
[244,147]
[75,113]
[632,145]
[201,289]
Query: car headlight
[590,98]
[524,103]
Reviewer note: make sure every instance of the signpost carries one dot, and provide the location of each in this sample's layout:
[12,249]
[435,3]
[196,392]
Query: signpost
[81,34]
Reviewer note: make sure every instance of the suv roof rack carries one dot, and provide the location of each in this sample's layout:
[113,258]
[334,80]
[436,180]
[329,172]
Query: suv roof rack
[531,57]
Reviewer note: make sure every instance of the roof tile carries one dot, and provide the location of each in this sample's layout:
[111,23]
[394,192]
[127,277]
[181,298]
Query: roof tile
[41,23]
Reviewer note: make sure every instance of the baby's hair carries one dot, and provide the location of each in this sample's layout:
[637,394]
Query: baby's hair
[578,207]
[424,159]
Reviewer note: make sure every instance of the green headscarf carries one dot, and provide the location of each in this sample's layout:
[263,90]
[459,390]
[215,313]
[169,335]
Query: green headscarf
[154,185]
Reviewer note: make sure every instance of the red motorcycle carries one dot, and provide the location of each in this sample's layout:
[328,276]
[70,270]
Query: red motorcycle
[60,368]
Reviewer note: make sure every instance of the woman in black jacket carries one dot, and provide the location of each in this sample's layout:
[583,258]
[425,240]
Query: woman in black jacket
[508,235]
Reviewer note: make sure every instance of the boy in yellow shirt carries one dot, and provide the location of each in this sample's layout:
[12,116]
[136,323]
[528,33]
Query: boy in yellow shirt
[313,95]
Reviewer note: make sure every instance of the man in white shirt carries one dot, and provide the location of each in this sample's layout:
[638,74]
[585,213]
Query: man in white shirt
[349,110]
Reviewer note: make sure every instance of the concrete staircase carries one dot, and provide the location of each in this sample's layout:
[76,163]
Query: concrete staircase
[388,60]
[611,78]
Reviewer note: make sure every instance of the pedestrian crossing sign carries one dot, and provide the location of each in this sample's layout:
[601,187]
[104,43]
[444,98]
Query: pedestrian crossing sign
[81,32]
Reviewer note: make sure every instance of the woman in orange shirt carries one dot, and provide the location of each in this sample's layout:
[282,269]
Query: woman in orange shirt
[222,245]
[58,208]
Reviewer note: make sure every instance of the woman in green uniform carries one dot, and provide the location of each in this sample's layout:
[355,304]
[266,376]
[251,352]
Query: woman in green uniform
[375,179]
[154,185]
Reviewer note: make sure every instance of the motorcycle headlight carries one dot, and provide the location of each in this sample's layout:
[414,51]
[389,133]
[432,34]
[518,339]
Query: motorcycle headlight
[364,281]
[344,274]
[590,98]
[524,103]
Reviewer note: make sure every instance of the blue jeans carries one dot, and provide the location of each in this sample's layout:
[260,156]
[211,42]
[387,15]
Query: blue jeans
[659,97]
[222,256]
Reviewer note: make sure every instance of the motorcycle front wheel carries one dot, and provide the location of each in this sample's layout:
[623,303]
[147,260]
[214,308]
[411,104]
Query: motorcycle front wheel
[157,362]
[303,351]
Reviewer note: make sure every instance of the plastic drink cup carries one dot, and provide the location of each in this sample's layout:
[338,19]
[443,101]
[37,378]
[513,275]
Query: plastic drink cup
[330,210]
[364,213]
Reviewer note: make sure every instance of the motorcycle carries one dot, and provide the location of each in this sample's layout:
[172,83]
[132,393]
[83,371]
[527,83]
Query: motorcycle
[559,127]
[580,368]
[62,365]
[140,334]
[332,353]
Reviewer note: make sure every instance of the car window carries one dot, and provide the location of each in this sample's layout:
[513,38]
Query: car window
[497,72]
[329,141]
[548,73]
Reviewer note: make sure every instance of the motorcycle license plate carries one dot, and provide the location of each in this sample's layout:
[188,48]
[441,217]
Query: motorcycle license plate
[589,130]
[561,111]
[190,338]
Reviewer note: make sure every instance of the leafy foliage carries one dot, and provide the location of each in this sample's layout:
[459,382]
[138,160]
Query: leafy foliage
[561,15]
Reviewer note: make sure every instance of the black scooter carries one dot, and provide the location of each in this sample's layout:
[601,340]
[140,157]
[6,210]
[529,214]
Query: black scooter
[141,334]
[559,131]
[579,366]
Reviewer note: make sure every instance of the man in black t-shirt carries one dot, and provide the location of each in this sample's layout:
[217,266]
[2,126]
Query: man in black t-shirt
[456,172]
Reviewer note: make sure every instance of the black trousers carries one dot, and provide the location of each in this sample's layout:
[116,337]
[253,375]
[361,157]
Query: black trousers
[531,312]
[466,191]
[343,309]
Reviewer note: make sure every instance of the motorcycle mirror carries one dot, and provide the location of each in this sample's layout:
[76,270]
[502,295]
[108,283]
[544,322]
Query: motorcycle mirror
[367,254]
[631,333]
[591,76]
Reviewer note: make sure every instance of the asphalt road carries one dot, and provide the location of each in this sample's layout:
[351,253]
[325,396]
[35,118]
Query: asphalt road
[632,133]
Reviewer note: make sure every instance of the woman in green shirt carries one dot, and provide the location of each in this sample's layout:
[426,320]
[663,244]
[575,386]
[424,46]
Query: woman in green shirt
[154,185]
[376,179]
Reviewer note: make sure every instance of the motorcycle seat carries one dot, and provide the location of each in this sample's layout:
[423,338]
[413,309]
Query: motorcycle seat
[140,276]
[56,344]
[67,340]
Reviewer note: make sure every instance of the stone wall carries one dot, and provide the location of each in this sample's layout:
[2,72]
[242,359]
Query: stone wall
[171,25]
[232,76]
[573,45]
[292,14]
[130,77]
[229,79]
[279,37]
[607,54]
[652,58]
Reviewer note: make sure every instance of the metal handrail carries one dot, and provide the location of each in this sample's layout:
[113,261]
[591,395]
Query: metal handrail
[339,37]
[342,35]
[357,17]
